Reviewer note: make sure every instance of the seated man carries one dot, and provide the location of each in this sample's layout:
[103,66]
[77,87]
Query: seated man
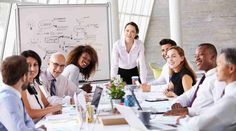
[220,116]
[56,86]
[203,94]
[165,44]
[15,76]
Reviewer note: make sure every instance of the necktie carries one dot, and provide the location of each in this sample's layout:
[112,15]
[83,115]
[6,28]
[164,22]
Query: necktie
[223,93]
[53,87]
[195,93]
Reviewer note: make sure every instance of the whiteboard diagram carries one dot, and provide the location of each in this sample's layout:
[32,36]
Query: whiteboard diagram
[47,29]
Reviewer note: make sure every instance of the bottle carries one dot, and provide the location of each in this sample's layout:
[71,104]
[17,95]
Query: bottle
[89,113]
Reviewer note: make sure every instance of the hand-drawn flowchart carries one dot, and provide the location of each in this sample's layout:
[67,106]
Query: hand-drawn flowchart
[50,29]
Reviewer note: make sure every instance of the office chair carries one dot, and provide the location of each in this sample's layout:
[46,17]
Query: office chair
[155,70]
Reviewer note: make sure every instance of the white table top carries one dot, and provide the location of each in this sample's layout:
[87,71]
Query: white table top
[69,120]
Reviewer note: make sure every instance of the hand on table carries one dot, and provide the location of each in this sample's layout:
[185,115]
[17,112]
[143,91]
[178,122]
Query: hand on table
[177,112]
[56,109]
[145,87]
[176,105]
[178,119]
[169,93]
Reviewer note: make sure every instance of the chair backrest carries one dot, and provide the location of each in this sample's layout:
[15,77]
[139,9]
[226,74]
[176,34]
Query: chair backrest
[155,69]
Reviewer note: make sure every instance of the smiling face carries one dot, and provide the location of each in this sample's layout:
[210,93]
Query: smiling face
[130,33]
[56,65]
[174,59]
[84,60]
[204,59]
[164,49]
[33,68]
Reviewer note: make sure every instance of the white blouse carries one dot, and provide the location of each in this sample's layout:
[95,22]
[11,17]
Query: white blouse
[121,58]
[34,104]
[71,72]
[32,100]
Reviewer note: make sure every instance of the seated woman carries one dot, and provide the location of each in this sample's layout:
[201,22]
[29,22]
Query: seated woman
[35,102]
[82,59]
[182,77]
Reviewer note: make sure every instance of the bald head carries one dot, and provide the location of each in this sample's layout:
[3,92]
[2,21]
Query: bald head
[56,64]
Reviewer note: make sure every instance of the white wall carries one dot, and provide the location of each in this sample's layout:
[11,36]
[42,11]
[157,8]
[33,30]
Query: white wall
[211,21]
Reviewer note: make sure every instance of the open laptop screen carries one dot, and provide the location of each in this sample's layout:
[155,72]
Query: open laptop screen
[96,96]
[139,107]
[135,99]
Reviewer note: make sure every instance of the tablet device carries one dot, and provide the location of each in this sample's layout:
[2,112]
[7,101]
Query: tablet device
[157,100]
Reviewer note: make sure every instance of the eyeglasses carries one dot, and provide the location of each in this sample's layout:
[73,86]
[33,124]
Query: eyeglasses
[58,65]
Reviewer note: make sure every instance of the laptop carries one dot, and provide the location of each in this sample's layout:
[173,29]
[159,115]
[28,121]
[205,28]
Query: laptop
[139,107]
[97,96]
[133,120]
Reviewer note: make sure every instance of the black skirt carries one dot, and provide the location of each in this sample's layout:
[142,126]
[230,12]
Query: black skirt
[126,74]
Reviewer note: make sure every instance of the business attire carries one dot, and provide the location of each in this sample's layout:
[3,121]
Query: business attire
[176,79]
[72,73]
[219,117]
[34,98]
[164,78]
[209,92]
[125,64]
[13,114]
[63,87]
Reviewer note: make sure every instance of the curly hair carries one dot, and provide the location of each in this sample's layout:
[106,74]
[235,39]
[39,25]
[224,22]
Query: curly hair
[75,54]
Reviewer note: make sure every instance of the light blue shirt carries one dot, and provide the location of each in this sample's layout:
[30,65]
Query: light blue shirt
[13,115]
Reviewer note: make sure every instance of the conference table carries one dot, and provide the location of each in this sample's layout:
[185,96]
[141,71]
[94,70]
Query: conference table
[69,119]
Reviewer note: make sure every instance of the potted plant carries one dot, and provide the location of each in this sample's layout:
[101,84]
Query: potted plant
[116,90]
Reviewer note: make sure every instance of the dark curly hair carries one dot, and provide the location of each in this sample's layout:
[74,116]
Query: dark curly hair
[75,54]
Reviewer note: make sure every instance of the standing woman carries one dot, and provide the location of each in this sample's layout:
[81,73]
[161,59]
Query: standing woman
[82,59]
[182,77]
[128,54]
[34,100]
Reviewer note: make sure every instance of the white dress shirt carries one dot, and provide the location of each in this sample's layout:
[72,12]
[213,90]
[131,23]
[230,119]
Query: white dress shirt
[121,58]
[72,73]
[164,78]
[206,94]
[65,88]
[218,117]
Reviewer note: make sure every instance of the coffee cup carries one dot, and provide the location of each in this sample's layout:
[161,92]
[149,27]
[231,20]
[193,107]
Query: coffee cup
[129,101]
[135,80]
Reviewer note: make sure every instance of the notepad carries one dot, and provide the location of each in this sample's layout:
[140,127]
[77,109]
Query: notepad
[112,120]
